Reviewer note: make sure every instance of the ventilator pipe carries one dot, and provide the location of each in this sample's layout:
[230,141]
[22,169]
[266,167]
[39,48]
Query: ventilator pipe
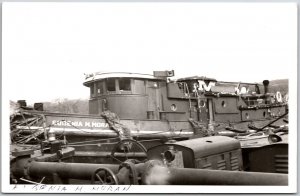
[266,86]
[187,176]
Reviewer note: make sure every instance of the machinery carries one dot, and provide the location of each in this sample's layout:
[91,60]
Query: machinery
[215,160]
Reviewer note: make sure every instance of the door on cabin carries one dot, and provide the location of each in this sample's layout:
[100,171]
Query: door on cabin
[202,110]
[153,100]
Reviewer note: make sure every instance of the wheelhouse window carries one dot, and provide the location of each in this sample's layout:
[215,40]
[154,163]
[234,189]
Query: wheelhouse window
[92,91]
[111,85]
[100,88]
[124,84]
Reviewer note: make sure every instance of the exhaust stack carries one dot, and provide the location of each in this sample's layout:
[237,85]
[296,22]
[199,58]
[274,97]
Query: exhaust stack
[266,86]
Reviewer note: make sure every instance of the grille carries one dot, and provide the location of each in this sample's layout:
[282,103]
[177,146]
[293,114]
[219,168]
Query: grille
[207,166]
[234,162]
[281,164]
[222,165]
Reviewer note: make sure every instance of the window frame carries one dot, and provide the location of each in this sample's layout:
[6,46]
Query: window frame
[117,86]
[124,91]
[101,84]
[93,93]
[107,86]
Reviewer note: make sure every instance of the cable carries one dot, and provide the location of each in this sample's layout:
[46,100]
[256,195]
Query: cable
[99,140]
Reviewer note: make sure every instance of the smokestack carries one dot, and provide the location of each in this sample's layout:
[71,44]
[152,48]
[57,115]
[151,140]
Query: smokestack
[266,86]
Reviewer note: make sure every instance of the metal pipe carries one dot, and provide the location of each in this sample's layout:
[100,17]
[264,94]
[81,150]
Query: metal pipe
[274,121]
[154,175]
[109,133]
[188,176]
[66,170]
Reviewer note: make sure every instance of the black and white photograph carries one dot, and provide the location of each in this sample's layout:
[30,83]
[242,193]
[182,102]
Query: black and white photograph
[149,97]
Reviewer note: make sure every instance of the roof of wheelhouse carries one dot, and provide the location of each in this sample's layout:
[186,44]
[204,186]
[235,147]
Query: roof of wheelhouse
[195,78]
[89,78]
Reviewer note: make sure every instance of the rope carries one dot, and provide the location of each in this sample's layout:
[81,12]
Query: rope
[112,120]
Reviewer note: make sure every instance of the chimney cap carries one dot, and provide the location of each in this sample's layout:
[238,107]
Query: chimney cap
[266,82]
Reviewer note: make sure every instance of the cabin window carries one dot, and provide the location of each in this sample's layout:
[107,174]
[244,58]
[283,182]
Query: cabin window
[253,89]
[100,87]
[124,84]
[111,84]
[192,87]
[92,90]
[257,90]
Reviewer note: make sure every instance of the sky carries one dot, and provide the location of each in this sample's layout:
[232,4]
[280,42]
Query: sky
[47,47]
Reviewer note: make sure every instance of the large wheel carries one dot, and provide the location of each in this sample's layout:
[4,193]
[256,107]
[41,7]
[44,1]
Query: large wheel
[104,176]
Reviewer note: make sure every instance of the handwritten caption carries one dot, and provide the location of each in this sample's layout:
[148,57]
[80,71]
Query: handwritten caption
[73,188]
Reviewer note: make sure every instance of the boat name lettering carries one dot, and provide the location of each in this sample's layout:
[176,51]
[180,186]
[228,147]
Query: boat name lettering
[78,123]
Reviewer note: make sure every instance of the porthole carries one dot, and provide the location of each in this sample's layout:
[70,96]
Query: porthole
[202,103]
[173,107]
[223,104]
